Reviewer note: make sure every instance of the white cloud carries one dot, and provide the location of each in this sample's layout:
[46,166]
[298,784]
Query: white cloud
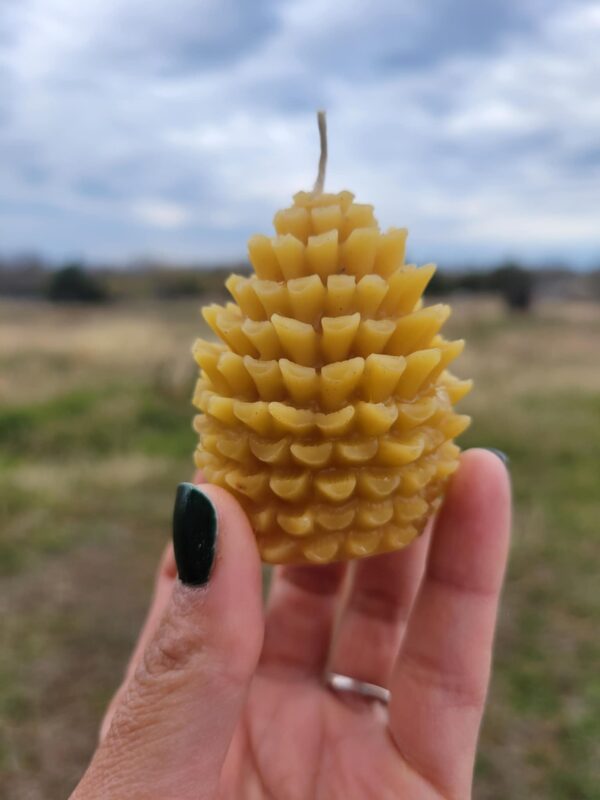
[478,149]
[498,117]
[161,214]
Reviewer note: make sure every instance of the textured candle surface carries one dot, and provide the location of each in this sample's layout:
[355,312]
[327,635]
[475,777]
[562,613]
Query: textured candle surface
[327,405]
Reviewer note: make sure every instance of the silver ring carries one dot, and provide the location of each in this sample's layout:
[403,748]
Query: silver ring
[348,685]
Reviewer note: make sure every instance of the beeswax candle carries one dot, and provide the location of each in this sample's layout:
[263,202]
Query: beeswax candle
[327,405]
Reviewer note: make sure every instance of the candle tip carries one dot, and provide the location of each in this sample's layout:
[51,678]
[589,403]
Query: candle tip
[322,123]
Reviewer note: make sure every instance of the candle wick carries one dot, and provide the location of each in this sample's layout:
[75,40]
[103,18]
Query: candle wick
[322,123]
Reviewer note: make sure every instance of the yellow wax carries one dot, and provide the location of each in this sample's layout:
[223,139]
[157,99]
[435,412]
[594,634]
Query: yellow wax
[327,406]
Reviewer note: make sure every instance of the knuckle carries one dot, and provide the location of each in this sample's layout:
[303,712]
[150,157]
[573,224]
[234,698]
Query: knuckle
[379,605]
[171,650]
[459,689]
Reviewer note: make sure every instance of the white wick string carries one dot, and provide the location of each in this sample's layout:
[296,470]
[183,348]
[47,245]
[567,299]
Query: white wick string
[322,123]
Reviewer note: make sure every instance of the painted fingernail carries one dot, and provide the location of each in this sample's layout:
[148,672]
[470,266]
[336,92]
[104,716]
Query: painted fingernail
[194,535]
[501,455]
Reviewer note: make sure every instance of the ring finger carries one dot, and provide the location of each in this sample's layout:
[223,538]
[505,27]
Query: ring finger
[373,620]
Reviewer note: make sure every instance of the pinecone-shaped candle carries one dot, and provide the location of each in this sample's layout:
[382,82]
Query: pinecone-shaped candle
[327,405]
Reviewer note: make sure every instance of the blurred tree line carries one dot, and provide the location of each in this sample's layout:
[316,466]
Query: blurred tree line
[29,276]
[514,283]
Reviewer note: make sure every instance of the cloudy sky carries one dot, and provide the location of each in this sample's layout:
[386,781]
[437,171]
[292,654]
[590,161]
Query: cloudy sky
[144,128]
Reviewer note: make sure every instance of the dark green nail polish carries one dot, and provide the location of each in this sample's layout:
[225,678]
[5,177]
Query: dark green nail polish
[501,455]
[194,535]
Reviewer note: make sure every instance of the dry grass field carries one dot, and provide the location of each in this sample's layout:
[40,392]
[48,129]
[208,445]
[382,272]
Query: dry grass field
[95,434]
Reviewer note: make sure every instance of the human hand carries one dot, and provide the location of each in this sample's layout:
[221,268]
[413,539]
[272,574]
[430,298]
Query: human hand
[223,701]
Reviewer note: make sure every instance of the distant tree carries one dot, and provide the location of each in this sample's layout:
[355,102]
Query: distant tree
[593,282]
[515,284]
[442,283]
[74,284]
[474,281]
[175,287]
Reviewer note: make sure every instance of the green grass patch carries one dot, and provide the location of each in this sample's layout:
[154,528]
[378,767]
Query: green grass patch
[114,419]
[547,652]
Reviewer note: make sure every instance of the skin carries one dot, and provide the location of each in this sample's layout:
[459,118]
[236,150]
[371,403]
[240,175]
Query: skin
[223,699]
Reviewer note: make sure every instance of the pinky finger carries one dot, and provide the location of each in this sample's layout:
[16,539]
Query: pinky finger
[441,676]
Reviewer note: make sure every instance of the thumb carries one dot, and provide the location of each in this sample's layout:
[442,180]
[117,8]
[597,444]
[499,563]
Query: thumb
[170,734]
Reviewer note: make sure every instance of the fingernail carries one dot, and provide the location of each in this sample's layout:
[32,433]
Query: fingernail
[194,535]
[501,455]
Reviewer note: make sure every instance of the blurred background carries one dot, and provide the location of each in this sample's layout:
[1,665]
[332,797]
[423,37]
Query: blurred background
[141,143]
